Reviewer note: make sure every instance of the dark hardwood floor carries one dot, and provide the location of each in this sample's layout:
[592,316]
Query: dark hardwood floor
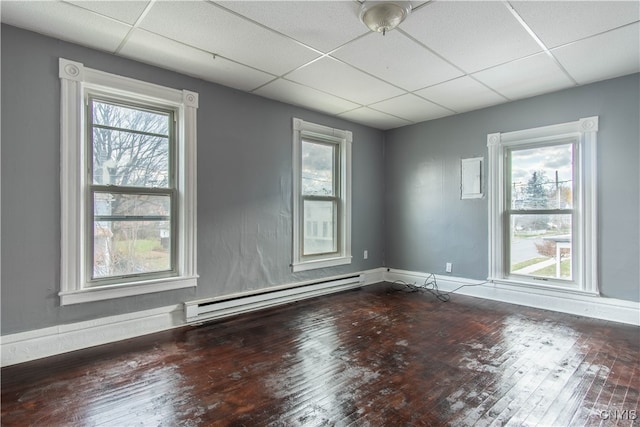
[370,357]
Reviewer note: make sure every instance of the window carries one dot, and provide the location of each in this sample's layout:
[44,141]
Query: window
[128,186]
[542,206]
[322,201]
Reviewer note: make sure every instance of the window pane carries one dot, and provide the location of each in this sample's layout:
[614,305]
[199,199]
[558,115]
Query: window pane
[150,206]
[132,234]
[130,247]
[316,215]
[541,245]
[130,159]
[130,146]
[118,116]
[318,168]
[542,178]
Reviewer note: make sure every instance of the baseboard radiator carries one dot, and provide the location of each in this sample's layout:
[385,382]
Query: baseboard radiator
[216,308]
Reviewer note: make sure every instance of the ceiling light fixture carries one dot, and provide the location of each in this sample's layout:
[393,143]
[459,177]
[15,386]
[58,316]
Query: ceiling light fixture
[383,16]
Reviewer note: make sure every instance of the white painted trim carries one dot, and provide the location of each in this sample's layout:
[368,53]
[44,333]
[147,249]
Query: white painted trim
[76,83]
[585,234]
[343,139]
[30,345]
[320,263]
[374,276]
[126,290]
[564,301]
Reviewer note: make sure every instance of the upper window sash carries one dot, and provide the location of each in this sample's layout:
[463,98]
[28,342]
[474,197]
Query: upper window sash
[169,133]
[76,82]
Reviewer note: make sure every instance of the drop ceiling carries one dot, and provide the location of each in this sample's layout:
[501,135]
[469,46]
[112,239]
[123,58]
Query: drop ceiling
[447,57]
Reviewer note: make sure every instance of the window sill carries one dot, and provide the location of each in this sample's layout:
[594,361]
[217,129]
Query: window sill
[542,288]
[126,290]
[321,263]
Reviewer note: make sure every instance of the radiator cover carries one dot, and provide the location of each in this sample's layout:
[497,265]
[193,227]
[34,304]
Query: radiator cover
[219,307]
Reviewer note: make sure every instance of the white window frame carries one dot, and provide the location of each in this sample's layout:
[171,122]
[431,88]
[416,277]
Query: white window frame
[343,140]
[77,81]
[584,257]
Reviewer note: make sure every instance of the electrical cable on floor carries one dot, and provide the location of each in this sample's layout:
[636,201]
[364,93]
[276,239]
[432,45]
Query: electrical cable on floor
[431,285]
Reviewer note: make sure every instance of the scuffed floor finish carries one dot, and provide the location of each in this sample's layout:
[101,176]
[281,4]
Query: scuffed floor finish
[371,357]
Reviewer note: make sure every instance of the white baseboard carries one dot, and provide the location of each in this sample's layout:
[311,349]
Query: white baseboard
[31,345]
[36,344]
[374,276]
[611,309]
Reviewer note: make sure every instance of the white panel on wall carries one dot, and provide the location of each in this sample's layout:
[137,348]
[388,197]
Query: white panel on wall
[471,178]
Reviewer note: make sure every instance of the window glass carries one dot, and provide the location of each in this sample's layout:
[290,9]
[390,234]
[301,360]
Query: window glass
[542,177]
[318,169]
[320,212]
[125,248]
[131,230]
[130,146]
[541,194]
[541,245]
[126,117]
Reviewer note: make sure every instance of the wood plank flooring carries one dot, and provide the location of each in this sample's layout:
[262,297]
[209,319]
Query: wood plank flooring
[370,357]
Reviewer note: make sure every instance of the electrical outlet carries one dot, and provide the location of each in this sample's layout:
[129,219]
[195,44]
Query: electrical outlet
[366,254]
[448,267]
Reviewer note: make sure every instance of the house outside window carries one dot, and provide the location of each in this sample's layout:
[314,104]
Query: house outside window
[542,207]
[322,196]
[128,186]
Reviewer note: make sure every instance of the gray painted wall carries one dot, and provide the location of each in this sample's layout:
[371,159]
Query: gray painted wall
[428,225]
[244,187]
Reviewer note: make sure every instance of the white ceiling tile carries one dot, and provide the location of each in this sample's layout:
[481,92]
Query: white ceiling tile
[606,56]
[526,77]
[412,108]
[126,11]
[593,40]
[166,53]
[387,57]
[324,25]
[373,118]
[462,94]
[297,94]
[560,22]
[209,27]
[334,77]
[66,22]
[471,34]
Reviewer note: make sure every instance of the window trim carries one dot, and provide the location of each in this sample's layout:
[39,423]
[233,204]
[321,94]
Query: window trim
[343,140]
[76,81]
[584,133]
